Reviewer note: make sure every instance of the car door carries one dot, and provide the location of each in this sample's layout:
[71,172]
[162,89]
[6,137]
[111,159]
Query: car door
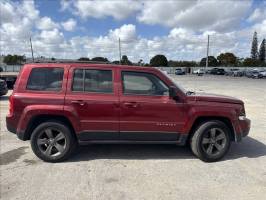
[93,98]
[146,111]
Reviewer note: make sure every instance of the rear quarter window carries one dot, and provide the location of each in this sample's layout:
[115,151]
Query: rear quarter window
[45,79]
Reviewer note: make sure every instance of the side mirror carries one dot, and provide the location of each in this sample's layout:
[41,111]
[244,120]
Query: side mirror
[172,93]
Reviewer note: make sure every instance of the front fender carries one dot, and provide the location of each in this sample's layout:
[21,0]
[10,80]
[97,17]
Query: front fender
[206,109]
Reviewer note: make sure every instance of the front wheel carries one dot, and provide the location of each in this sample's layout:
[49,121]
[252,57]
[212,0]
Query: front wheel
[53,141]
[211,141]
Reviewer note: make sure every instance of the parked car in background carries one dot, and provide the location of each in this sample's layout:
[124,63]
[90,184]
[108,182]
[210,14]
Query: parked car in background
[60,105]
[229,72]
[199,72]
[262,74]
[179,71]
[239,72]
[208,71]
[3,87]
[217,71]
[249,72]
[258,73]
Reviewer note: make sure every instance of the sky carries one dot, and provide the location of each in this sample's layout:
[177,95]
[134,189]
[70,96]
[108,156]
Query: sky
[72,29]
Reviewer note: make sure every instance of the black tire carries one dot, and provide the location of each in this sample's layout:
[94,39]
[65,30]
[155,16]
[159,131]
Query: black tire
[209,148]
[53,141]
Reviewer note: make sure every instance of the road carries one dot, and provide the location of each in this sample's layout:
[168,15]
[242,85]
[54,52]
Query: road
[145,171]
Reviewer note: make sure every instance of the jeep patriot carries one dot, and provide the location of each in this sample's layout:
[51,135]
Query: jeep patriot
[60,105]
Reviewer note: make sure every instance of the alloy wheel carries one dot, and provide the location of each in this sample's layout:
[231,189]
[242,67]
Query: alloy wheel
[214,141]
[51,142]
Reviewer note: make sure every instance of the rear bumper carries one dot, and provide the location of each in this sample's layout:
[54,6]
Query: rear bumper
[11,127]
[243,129]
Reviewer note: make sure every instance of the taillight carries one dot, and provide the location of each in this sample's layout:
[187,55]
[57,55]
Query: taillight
[11,105]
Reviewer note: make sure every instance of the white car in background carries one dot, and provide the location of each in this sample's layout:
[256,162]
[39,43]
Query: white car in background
[199,72]
[262,74]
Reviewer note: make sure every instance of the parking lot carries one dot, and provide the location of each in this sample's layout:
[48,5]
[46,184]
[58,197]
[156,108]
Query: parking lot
[145,171]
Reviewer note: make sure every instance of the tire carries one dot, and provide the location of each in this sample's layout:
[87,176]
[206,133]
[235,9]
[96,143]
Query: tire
[53,141]
[211,141]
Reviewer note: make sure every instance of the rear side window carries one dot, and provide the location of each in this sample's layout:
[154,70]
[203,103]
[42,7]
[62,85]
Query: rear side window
[45,79]
[93,80]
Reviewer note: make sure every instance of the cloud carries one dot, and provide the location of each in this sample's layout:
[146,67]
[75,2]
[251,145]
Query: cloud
[195,15]
[188,24]
[46,23]
[100,9]
[126,33]
[69,25]
[258,14]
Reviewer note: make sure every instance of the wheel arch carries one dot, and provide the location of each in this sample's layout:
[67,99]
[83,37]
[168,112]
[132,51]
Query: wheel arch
[201,119]
[37,120]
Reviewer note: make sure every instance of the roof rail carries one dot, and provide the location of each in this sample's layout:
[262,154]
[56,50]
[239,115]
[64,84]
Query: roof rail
[68,61]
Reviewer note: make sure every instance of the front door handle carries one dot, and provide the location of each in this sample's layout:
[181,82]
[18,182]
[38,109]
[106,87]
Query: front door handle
[80,102]
[131,104]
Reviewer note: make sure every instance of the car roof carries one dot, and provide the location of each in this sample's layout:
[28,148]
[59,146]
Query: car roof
[88,65]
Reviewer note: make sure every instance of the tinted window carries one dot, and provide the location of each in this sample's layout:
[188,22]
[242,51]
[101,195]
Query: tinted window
[45,79]
[91,80]
[143,84]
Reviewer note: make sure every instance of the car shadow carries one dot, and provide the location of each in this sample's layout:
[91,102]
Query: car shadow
[249,147]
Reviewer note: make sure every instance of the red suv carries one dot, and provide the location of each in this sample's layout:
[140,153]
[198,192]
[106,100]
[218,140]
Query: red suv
[60,105]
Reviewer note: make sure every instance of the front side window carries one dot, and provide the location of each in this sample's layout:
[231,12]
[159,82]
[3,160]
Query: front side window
[139,83]
[92,80]
[45,79]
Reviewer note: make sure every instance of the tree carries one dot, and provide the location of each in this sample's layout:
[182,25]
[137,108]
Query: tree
[125,60]
[1,69]
[100,59]
[83,59]
[159,60]
[211,61]
[52,58]
[173,63]
[140,62]
[262,54]
[227,59]
[116,62]
[250,62]
[254,47]
[14,59]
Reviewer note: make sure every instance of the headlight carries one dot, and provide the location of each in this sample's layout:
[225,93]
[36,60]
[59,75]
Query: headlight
[242,118]
[242,113]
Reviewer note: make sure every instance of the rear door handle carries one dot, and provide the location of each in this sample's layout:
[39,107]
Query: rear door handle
[80,102]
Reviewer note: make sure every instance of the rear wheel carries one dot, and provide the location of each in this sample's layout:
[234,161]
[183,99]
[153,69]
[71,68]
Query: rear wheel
[211,141]
[53,141]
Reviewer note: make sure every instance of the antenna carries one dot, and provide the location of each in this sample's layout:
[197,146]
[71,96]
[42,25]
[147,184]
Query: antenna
[31,50]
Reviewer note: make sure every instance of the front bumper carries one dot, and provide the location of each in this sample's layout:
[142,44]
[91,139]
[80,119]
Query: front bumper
[243,128]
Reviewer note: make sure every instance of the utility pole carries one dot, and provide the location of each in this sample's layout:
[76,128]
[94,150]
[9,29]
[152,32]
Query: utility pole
[31,50]
[120,59]
[207,58]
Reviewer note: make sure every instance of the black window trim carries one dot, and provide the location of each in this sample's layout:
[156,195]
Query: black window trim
[138,72]
[83,72]
[45,91]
